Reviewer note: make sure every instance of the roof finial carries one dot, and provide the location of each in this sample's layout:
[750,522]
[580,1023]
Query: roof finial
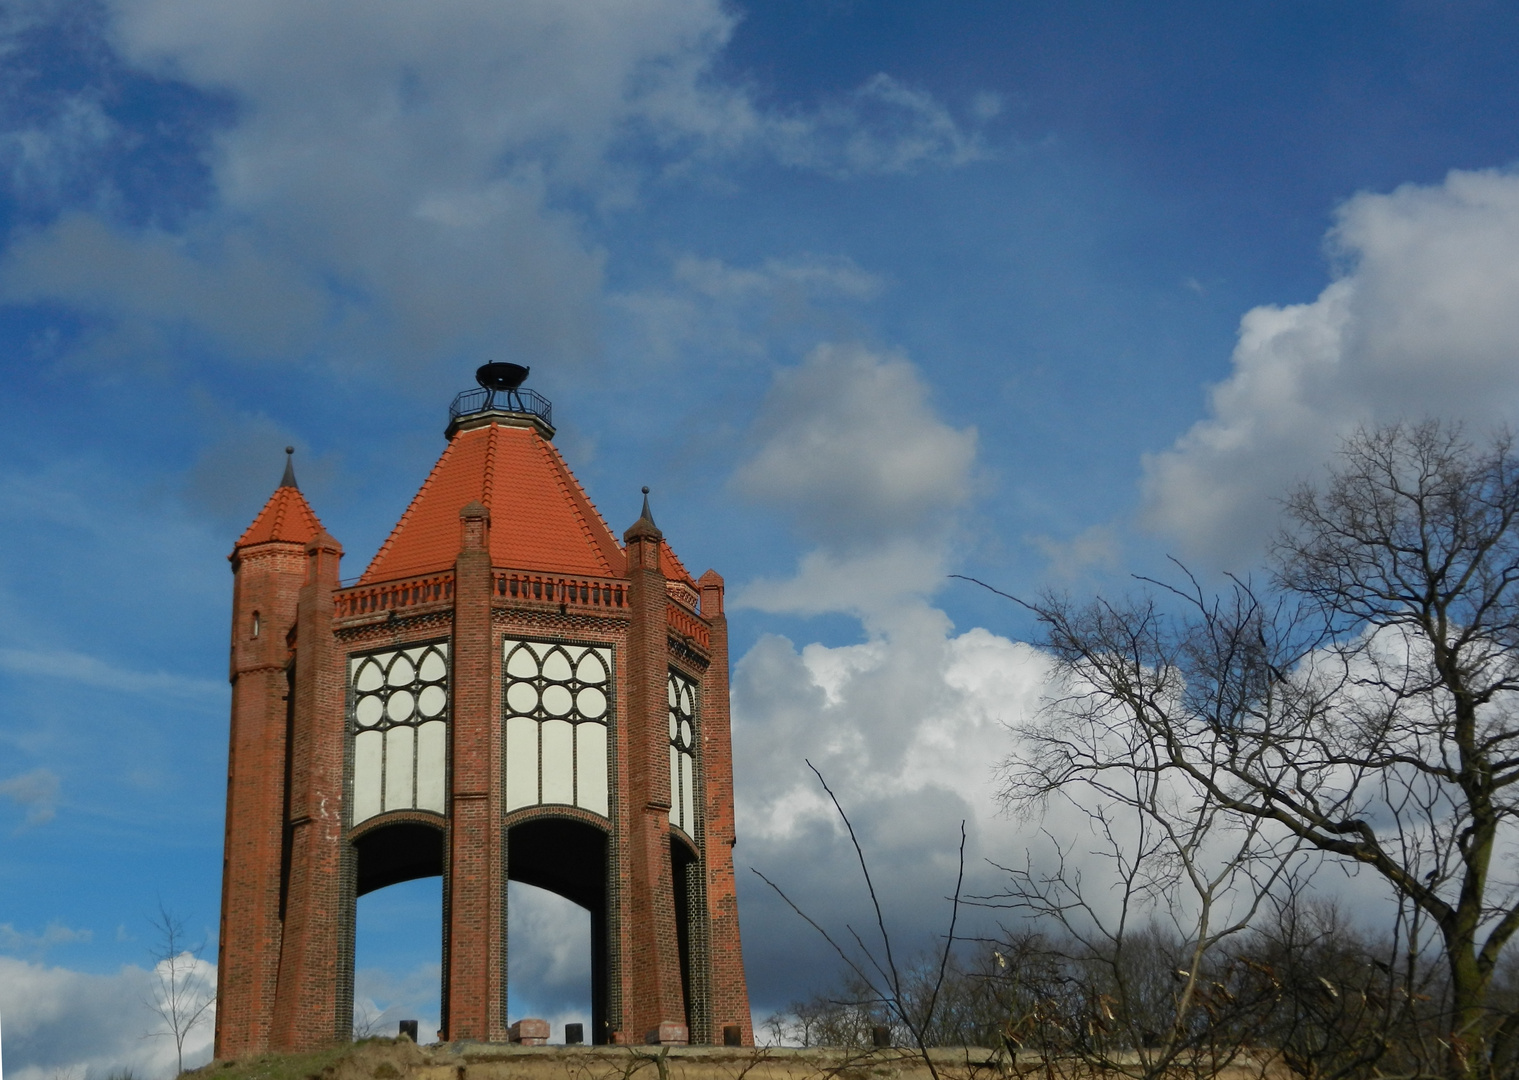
[289,478]
[646,516]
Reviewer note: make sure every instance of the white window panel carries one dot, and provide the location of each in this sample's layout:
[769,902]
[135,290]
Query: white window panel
[368,774]
[400,759]
[521,762]
[558,701]
[591,767]
[432,753]
[558,762]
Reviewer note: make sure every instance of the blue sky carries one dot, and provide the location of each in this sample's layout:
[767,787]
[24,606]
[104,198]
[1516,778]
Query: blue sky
[868,294]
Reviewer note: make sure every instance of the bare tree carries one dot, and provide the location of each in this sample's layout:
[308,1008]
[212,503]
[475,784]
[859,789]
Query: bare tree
[1179,875]
[182,994]
[883,983]
[1363,705]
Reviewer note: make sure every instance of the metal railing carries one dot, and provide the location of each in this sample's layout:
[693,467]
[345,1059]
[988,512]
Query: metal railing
[479,400]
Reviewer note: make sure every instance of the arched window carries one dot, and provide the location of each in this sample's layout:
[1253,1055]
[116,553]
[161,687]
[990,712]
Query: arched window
[399,730]
[682,692]
[558,705]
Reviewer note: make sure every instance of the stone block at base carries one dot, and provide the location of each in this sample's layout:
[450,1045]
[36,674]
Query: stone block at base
[529,1031]
[668,1033]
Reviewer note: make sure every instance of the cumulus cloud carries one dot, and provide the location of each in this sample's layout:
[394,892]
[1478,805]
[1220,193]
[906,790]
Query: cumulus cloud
[908,724]
[84,1026]
[907,728]
[850,449]
[392,182]
[1420,321]
[853,452]
[382,998]
[37,792]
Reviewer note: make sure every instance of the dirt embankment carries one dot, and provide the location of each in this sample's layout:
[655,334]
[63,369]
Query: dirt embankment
[401,1059]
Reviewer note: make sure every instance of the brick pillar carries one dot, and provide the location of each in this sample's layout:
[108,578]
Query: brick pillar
[476,931]
[653,999]
[730,993]
[310,1007]
[266,589]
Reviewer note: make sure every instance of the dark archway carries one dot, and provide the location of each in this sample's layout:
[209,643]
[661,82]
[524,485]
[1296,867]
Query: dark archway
[569,858]
[391,854]
[396,930]
[690,930]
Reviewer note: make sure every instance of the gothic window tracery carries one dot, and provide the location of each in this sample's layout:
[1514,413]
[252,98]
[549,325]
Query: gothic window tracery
[399,730]
[682,695]
[558,706]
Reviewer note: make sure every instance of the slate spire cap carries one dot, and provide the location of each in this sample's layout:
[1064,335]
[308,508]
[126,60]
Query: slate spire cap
[288,480]
[644,527]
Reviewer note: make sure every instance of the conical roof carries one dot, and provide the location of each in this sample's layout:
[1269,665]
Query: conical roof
[541,518]
[286,517]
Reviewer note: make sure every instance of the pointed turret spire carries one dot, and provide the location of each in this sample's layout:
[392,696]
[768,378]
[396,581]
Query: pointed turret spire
[287,516]
[644,526]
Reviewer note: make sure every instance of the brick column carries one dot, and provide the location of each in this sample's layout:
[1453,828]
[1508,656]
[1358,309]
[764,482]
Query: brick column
[266,589]
[730,993]
[476,931]
[653,999]
[309,1006]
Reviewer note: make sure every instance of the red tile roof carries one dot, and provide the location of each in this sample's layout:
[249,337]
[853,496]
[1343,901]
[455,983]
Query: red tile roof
[286,517]
[541,518]
[674,569]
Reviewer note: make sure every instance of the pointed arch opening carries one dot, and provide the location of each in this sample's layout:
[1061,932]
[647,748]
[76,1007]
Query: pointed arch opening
[567,858]
[397,927]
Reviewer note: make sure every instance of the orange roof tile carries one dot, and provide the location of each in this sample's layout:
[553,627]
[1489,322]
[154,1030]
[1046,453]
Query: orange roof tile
[673,568]
[541,518]
[286,517]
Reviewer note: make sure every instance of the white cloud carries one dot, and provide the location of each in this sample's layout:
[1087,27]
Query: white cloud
[849,447]
[1420,321]
[868,582]
[90,671]
[383,998]
[36,945]
[37,791]
[854,451]
[714,309]
[84,1026]
[1094,548]
[393,185]
[884,126]
[908,729]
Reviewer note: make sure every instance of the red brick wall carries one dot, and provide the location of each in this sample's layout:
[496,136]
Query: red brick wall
[730,993]
[308,1009]
[476,1007]
[651,960]
[267,581]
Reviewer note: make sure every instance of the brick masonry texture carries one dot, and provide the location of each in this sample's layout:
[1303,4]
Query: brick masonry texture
[500,501]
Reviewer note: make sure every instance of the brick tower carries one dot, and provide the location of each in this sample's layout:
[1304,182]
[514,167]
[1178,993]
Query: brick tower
[506,693]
